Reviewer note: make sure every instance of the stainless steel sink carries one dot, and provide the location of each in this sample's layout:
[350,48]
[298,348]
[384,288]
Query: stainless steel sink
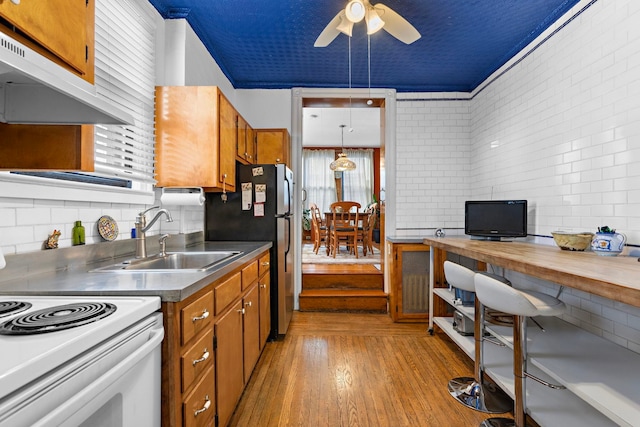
[173,262]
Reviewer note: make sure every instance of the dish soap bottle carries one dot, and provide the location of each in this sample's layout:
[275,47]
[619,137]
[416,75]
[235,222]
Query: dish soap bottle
[77,234]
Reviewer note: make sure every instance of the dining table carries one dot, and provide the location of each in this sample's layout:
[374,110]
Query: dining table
[362,216]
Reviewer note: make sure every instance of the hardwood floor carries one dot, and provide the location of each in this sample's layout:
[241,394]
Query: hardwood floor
[344,369]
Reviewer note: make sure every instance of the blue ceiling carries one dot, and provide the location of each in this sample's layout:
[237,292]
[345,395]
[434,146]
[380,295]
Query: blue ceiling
[268,44]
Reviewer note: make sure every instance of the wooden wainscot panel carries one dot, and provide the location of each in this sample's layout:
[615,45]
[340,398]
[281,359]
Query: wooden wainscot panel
[46,147]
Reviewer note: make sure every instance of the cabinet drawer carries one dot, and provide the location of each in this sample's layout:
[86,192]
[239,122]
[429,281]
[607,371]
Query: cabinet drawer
[198,408]
[263,264]
[196,316]
[197,359]
[227,291]
[249,275]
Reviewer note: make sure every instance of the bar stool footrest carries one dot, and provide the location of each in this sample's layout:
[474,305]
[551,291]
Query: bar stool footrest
[498,422]
[485,397]
[545,383]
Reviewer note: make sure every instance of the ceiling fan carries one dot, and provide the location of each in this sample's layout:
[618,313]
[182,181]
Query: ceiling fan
[376,16]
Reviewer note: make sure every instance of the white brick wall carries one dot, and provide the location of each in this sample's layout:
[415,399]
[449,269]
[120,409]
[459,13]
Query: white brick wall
[26,223]
[560,128]
[433,163]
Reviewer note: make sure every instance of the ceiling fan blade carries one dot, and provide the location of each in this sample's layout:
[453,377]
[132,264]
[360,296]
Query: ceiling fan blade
[330,32]
[396,25]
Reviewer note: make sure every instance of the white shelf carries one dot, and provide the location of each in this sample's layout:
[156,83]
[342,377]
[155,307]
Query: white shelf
[594,370]
[546,406]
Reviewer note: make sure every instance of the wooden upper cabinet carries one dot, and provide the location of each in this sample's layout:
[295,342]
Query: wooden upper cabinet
[273,146]
[195,138]
[251,144]
[228,141]
[46,147]
[63,31]
[245,143]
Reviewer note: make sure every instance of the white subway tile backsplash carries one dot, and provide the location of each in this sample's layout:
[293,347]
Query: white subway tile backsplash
[561,129]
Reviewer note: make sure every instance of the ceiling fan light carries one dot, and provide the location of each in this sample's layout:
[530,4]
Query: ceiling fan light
[345,26]
[355,11]
[374,22]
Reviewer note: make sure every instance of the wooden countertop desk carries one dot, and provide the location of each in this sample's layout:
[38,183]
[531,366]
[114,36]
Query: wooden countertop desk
[595,371]
[616,278]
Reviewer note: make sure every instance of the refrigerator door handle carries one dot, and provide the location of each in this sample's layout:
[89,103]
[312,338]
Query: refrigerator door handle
[286,180]
[286,252]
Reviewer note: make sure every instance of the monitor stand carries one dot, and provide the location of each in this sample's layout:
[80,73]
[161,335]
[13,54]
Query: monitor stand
[486,238]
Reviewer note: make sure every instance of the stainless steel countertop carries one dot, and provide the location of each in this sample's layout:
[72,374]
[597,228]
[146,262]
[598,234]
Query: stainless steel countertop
[169,286]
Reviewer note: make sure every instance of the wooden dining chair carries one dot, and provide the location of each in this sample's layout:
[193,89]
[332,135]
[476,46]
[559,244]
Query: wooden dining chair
[343,227]
[345,206]
[365,233]
[318,228]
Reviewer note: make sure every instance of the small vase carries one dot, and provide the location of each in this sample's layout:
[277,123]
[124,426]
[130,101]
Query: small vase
[608,244]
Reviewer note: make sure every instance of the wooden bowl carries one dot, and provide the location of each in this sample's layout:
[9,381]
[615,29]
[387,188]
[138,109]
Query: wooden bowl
[572,241]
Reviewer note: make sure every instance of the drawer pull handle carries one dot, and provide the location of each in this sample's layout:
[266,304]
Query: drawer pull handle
[204,357]
[204,315]
[207,403]
[247,304]
[265,264]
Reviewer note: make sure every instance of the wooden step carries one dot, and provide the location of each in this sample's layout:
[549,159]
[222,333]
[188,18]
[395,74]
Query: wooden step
[344,300]
[316,276]
[343,281]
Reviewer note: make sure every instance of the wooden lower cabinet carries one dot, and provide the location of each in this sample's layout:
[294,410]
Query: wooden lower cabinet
[251,330]
[213,340]
[264,289]
[409,277]
[229,363]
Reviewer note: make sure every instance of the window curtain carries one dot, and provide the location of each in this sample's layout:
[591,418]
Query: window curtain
[317,179]
[358,183]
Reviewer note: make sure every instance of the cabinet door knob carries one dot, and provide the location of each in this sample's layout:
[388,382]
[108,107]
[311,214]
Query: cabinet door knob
[204,315]
[207,404]
[241,311]
[277,160]
[204,357]
[263,286]
[247,304]
[265,264]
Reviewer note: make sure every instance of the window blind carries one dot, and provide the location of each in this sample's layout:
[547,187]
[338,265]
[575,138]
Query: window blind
[125,75]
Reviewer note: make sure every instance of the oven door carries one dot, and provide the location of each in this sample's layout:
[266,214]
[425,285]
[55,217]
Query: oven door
[115,384]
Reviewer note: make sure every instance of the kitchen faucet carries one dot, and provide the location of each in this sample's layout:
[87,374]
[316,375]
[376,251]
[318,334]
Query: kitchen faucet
[142,227]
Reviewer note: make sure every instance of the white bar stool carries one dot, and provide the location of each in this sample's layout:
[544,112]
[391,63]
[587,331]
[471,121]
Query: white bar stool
[522,304]
[476,393]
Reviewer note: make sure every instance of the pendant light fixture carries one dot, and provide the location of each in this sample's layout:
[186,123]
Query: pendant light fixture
[342,163]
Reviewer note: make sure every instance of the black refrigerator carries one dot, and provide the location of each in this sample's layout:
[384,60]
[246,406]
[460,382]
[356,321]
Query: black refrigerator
[260,211]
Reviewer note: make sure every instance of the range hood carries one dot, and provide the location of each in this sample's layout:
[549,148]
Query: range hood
[35,90]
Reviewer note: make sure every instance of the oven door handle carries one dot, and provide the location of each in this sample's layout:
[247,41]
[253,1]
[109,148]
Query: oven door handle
[81,405]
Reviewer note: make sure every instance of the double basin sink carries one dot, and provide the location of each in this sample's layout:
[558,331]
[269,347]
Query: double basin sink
[187,262]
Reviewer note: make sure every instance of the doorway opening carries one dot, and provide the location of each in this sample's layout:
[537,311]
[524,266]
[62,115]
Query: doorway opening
[346,284]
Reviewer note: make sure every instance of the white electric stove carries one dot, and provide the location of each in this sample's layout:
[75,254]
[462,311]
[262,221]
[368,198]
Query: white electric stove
[80,361]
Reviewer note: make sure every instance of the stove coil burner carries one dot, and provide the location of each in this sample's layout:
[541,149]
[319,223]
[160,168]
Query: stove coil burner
[56,318]
[12,307]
